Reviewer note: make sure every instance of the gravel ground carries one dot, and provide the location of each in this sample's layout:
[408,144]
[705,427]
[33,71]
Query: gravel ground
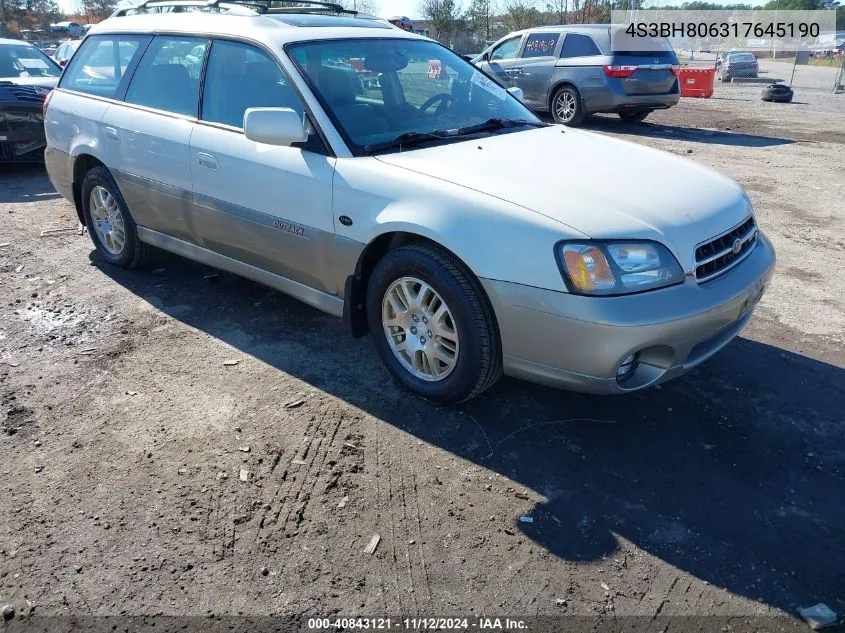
[143,473]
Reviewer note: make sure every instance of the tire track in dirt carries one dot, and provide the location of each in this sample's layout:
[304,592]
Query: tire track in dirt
[407,587]
[283,515]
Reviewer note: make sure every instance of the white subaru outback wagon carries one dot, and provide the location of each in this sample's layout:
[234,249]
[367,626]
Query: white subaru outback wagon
[376,175]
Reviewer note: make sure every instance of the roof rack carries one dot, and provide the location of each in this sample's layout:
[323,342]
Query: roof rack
[258,6]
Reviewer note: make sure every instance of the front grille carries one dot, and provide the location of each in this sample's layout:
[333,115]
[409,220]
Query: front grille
[724,252]
[24,93]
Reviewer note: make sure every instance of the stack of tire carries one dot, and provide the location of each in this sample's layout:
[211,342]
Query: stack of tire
[779,93]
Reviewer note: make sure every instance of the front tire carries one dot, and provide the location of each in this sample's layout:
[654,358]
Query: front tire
[110,225]
[567,107]
[432,324]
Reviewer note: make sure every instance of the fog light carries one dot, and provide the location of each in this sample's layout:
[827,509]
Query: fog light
[627,367]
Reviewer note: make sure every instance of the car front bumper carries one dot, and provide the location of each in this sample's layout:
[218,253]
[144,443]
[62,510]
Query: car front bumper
[577,342]
[21,133]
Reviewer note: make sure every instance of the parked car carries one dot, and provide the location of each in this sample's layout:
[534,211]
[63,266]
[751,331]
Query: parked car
[738,65]
[572,72]
[26,77]
[439,215]
[65,51]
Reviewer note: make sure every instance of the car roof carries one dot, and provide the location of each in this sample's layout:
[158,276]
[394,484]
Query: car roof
[276,27]
[6,40]
[572,27]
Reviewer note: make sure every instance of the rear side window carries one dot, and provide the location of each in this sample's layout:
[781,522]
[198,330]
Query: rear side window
[100,64]
[240,76]
[540,44]
[168,75]
[577,45]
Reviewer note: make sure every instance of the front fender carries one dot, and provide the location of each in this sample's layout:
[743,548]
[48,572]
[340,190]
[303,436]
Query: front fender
[494,238]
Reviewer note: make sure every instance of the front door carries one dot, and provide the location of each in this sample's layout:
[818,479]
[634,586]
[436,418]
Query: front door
[502,61]
[263,205]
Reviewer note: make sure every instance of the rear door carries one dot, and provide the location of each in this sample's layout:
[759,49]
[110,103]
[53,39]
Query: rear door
[264,205]
[148,137]
[533,74]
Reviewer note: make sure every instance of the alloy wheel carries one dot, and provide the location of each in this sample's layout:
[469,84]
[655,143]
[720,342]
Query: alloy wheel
[420,329]
[565,105]
[108,220]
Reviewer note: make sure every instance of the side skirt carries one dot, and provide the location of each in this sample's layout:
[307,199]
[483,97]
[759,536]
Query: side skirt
[320,300]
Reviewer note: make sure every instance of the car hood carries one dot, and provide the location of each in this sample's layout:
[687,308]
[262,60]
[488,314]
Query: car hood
[44,82]
[600,186]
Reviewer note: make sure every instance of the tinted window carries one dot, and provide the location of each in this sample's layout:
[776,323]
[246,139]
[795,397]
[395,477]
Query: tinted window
[240,76]
[23,60]
[101,63]
[168,76]
[506,50]
[576,45]
[540,44]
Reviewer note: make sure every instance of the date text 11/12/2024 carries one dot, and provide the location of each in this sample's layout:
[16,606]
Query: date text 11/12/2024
[417,624]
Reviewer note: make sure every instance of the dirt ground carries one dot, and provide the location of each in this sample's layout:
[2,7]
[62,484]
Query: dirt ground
[125,433]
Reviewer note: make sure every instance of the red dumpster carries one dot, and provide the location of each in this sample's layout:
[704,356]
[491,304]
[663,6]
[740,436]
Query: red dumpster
[697,82]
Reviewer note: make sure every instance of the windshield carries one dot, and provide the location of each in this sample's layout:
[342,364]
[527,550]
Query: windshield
[22,60]
[376,90]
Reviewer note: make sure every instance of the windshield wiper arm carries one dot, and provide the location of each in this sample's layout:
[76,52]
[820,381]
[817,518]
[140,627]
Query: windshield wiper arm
[497,124]
[406,139]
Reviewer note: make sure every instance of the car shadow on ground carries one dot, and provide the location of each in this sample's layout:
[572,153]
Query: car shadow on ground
[733,473]
[681,133]
[38,187]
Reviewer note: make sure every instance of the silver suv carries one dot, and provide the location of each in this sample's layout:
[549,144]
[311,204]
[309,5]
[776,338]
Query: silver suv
[574,71]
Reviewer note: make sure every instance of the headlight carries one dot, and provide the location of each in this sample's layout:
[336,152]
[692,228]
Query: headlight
[616,268]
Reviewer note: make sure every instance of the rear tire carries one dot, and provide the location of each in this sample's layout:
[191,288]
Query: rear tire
[567,107]
[110,225]
[635,116]
[448,358]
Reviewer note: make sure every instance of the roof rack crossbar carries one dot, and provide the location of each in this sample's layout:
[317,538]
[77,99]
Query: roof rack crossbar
[314,4]
[165,3]
[260,6]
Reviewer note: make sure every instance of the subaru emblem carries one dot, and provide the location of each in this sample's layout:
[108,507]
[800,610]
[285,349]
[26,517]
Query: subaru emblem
[737,246]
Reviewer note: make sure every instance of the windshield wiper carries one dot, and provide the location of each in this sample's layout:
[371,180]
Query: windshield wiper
[497,124]
[406,139]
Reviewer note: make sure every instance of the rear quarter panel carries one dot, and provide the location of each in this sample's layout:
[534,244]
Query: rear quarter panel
[72,128]
[586,74]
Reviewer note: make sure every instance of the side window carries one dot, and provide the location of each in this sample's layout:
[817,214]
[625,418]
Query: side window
[100,64]
[576,45]
[240,76]
[168,76]
[540,44]
[506,50]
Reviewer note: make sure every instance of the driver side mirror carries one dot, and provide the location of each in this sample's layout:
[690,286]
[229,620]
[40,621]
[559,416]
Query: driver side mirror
[485,57]
[274,126]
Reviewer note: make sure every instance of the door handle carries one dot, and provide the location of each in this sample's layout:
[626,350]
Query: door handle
[112,134]
[208,161]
